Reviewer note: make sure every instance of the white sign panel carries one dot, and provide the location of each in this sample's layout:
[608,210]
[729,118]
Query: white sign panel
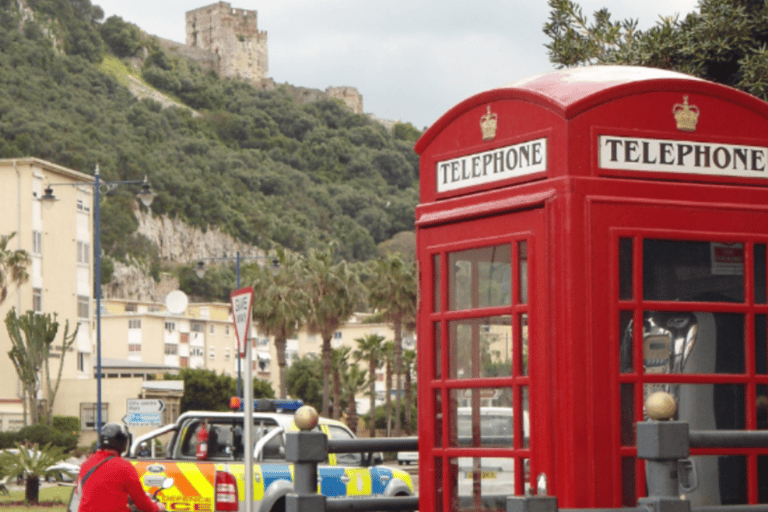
[490,166]
[141,405]
[242,301]
[139,419]
[680,156]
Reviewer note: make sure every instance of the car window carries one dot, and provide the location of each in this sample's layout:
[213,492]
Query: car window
[225,437]
[344,459]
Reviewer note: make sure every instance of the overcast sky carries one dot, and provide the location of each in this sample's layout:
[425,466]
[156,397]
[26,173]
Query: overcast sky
[412,60]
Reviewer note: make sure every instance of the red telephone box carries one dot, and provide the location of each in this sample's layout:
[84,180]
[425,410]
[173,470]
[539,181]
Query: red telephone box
[585,238]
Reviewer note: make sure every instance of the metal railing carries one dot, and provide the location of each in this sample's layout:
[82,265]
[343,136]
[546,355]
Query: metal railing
[307,449]
[662,444]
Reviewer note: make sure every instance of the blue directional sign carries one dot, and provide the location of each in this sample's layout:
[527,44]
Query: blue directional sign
[143,412]
[137,419]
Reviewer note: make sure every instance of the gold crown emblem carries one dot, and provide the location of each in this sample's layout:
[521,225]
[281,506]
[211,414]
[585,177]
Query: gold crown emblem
[488,125]
[686,115]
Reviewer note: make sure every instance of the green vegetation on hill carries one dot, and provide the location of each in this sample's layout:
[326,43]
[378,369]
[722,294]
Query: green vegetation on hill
[262,167]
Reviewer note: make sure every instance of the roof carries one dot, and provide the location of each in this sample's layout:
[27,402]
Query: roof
[570,92]
[108,363]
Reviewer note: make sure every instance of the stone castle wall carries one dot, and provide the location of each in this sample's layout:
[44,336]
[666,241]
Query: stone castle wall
[233,37]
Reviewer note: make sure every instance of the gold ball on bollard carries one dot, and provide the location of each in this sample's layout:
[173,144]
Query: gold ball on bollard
[306,417]
[660,406]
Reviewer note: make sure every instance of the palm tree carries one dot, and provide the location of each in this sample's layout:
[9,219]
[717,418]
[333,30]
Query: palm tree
[339,369]
[31,463]
[354,381]
[388,351]
[333,291]
[13,266]
[369,349]
[393,292]
[409,359]
[280,303]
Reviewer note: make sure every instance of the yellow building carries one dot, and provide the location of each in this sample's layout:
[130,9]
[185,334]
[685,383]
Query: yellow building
[58,240]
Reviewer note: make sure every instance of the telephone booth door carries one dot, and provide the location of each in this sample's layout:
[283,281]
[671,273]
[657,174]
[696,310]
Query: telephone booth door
[688,316]
[482,319]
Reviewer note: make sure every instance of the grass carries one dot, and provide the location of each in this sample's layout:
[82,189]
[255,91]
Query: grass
[55,493]
[119,70]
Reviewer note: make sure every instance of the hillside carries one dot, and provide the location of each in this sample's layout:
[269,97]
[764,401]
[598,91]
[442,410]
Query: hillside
[253,163]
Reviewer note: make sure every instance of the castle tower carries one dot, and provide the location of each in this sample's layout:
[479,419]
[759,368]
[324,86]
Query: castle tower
[233,35]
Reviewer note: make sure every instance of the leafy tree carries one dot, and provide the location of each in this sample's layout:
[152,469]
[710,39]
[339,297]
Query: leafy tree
[339,370]
[280,303]
[392,290]
[32,336]
[31,463]
[13,266]
[262,389]
[205,390]
[305,380]
[369,349]
[725,41]
[332,291]
[123,38]
[388,351]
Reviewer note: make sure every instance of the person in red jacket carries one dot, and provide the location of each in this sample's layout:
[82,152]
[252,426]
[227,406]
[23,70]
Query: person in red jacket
[106,480]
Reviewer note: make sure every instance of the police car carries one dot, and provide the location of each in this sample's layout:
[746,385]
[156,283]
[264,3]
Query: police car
[204,457]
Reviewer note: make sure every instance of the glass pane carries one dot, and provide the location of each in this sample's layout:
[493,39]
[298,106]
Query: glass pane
[759,273]
[761,357]
[522,251]
[483,483]
[628,415]
[524,343]
[626,351]
[722,480]
[481,417]
[438,483]
[761,406]
[480,347]
[436,292]
[480,278]
[628,493]
[693,342]
[693,271]
[438,425]
[706,406]
[625,269]
[438,344]
[525,427]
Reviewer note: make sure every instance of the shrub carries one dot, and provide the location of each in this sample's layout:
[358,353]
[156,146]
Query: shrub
[67,424]
[43,434]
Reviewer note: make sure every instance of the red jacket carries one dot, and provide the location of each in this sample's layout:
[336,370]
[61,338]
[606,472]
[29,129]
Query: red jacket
[108,487]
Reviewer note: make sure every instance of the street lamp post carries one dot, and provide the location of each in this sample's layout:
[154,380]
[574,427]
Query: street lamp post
[200,271]
[146,196]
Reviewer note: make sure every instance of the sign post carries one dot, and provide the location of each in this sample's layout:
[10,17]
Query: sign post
[242,303]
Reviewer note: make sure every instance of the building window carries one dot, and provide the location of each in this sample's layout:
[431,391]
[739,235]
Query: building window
[37,242]
[197,327]
[212,353]
[337,335]
[88,414]
[37,300]
[196,351]
[83,252]
[226,354]
[80,361]
[131,307]
[134,323]
[83,306]
[82,206]
[226,330]
[211,329]
[170,326]
[171,349]
[134,347]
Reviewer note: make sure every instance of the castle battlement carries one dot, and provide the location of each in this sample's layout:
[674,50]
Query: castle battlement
[233,36]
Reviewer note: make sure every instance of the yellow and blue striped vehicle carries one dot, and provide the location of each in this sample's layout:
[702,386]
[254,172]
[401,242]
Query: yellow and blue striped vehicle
[217,483]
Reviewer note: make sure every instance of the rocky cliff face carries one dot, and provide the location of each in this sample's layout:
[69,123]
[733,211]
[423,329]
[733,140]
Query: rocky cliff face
[178,243]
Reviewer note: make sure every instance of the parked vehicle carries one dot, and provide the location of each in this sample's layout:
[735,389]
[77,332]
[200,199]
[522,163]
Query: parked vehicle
[204,457]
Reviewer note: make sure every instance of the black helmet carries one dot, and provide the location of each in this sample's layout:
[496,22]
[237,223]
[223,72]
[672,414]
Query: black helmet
[114,437]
